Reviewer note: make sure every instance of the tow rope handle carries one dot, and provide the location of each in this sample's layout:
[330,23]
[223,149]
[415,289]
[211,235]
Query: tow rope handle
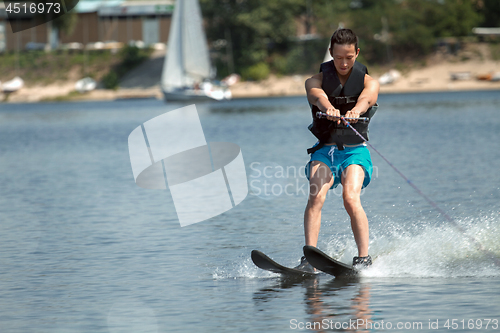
[320,114]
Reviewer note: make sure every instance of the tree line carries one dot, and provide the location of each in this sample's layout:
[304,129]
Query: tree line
[254,37]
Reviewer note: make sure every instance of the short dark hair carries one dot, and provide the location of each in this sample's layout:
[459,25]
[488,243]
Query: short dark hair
[344,37]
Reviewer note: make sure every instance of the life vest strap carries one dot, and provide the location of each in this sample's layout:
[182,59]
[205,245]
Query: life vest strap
[315,148]
[341,100]
[320,145]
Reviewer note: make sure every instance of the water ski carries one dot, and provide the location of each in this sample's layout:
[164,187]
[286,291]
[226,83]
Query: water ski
[326,264]
[263,261]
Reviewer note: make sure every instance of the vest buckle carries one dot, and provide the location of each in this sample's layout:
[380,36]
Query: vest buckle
[341,100]
[345,99]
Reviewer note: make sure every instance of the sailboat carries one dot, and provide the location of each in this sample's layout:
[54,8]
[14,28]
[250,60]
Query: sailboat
[187,69]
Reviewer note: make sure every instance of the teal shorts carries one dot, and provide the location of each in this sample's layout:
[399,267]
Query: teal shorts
[339,160]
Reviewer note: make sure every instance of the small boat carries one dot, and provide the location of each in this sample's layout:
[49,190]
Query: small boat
[231,79]
[389,77]
[187,71]
[489,77]
[85,85]
[460,76]
[13,85]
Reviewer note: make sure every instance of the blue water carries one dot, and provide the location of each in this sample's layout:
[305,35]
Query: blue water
[84,249]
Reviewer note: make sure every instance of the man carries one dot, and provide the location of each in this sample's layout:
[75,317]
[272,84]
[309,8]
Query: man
[342,88]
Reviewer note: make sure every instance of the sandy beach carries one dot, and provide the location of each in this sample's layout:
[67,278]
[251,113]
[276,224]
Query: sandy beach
[144,82]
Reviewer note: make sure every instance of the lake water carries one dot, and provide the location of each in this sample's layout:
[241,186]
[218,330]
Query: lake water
[84,249]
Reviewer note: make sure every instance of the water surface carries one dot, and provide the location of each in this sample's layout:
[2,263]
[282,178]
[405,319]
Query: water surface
[84,249]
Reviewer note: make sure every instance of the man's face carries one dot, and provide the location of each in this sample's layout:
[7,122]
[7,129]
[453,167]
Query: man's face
[344,57]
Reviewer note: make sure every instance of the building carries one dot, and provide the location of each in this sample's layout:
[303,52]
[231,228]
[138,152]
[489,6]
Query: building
[98,21]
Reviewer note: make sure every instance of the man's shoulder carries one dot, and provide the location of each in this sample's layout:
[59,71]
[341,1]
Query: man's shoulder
[326,66]
[359,66]
[370,81]
[317,76]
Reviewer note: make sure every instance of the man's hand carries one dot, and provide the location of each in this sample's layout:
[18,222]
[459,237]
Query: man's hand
[353,113]
[332,113]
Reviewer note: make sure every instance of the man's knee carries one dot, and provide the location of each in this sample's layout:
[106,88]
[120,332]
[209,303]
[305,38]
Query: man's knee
[351,197]
[351,201]
[352,183]
[317,197]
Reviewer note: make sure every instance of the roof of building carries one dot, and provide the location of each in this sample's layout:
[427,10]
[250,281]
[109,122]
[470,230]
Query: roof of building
[89,6]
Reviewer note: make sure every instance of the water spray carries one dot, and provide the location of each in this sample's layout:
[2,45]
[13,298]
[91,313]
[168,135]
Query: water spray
[480,246]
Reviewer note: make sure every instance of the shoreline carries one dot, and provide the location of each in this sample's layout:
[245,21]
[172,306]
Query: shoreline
[434,78]
[52,93]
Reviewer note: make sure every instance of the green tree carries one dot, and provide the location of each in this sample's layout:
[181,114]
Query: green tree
[263,30]
[490,12]
[412,26]
[63,22]
[254,29]
[67,22]
[327,15]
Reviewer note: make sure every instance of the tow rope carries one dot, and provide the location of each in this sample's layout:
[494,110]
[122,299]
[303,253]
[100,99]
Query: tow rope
[480,246]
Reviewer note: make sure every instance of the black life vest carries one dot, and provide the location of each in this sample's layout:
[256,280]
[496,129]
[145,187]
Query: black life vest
[343,98]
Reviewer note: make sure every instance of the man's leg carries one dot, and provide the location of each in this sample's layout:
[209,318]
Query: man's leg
[352,182]
[320,181]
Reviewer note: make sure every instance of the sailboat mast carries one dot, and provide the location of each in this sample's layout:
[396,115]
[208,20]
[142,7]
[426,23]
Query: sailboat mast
[181,43]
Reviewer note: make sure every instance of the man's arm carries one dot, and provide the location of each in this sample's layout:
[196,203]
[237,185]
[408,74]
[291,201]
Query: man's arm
[367,99]
[317,96]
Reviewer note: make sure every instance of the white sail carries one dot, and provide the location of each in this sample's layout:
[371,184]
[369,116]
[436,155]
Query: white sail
[173,70]
[196,56]
[187,67]
[328,56]
[187,59]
